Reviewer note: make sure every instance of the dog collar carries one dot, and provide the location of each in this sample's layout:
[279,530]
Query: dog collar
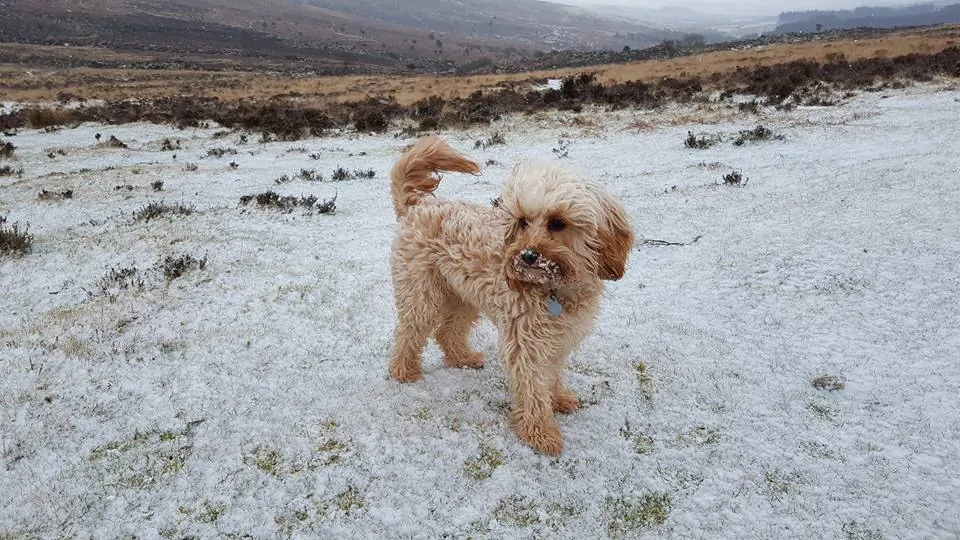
[554,307]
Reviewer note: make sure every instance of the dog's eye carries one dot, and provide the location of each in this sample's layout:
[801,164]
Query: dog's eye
[556,225]
[522,223]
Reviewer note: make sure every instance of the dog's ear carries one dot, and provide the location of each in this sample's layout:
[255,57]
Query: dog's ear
[616,240]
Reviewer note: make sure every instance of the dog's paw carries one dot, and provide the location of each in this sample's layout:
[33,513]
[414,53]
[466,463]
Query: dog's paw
[565,401]
[405,373]
[544,436]
[473,360]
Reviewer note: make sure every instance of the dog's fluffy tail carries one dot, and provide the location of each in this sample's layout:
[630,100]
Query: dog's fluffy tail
[416,173]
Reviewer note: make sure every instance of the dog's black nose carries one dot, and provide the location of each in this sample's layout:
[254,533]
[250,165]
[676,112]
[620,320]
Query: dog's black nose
[529,256]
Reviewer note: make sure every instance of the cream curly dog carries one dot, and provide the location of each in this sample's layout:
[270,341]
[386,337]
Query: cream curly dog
[532,263]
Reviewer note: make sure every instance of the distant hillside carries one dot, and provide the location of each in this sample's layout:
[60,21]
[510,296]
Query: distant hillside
[868,17]
[332,36]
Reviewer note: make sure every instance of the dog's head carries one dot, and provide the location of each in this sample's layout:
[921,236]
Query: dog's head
[562,228]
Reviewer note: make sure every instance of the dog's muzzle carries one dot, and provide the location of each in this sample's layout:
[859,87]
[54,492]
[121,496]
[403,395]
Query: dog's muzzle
[531,266]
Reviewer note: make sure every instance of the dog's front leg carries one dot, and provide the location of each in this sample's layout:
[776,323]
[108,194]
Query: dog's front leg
[531,368]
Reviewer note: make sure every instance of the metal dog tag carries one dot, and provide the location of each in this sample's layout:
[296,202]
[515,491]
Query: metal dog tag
[554,307]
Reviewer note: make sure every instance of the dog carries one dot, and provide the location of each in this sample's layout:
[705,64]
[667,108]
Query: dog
[533,263]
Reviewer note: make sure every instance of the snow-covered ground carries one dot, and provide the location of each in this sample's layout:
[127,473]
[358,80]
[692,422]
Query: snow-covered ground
[250,397]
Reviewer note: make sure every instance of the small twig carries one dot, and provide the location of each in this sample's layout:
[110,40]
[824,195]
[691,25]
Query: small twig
[654,242]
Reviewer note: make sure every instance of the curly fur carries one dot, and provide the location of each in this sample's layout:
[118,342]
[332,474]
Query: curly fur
[453,261]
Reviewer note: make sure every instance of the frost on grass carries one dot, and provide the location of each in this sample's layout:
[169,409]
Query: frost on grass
[629,516]
[698,436]
[329,452]
[644,380]
[146,458]
[516,511]
[778,484]
[482,466]
[313,515]
[729,310]
[641,442]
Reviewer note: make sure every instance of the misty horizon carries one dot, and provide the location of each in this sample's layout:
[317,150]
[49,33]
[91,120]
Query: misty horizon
[740,8]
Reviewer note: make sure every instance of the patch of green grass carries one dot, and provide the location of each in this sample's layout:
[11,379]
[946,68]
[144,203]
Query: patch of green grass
[520,511]
[698,436]
[644,380]
[779,483]
[349,500]
[330,452]
[559,514]
[642,443]
[291,521]
[595,393]
[210,512]
[682,478]
[144,459]
[590,371]
[516,511]
[628,516]
[483,466]
[264,458]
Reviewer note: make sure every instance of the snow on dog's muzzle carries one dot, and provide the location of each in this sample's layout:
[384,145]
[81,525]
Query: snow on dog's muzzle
[531,266]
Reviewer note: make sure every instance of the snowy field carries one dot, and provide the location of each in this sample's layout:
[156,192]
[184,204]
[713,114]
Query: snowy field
[793,373]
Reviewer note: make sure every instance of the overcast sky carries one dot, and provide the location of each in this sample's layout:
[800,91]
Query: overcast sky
[742,6]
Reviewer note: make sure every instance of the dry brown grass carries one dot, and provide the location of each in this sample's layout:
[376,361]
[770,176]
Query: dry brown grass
[43,84]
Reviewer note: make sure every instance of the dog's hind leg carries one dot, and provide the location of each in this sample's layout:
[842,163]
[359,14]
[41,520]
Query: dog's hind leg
[418,314]
[453,334]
